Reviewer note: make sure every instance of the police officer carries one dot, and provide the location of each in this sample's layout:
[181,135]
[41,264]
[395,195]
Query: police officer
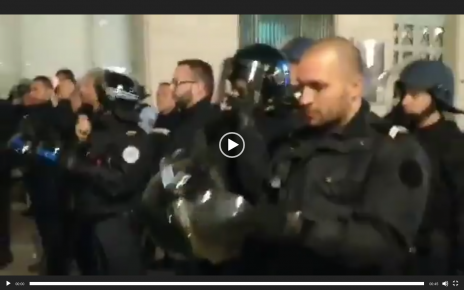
[276,125]
[169,116]
[51,124]
[352,188]
[238,174]
[31,101]
[167,120]
[113,162]
[426,89]
[212,124]
[279,122]
[192,87]
[265,119]
[10,116]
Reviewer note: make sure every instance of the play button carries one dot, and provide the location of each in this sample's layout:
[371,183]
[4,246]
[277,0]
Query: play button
[7,283]
[231,145]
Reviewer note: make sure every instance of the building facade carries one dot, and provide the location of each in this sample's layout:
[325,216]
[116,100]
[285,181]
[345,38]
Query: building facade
[148,46]
[404,36]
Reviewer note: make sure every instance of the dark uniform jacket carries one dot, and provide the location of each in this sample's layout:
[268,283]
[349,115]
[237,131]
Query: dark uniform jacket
[47,121]
[164,127]
[10,116]
[113,165]
[361,192]
[191,120]
[440,242]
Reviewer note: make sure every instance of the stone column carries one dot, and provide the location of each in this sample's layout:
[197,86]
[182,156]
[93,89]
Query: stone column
[452,55]
[9,53]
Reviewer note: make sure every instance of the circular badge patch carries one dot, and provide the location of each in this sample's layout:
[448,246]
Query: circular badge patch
[131,154]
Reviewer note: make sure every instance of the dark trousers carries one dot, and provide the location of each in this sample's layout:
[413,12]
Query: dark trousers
[109,246]
[52,220]
[5,212]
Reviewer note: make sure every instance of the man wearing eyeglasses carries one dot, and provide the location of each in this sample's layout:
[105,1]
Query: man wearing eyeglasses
[192,87]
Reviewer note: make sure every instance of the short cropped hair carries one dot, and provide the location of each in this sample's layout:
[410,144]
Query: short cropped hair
[202,71]
[44,80]
[67,74]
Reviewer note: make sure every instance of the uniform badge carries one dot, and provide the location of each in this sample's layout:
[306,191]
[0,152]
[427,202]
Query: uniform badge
[131,133]
[131,154]
[394,130]
[276,182]
[163,131]
[177,153]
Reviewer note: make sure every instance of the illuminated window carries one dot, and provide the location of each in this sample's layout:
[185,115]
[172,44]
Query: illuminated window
[276,30]
[418,35]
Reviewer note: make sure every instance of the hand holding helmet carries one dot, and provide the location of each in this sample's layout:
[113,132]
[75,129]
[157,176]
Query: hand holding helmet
[189,211]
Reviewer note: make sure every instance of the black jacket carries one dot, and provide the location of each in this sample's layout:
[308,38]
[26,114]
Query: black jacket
[361,192]
[190,121]
[169,121]
[10,117]
[160,136]
[45,119]
[440,243]
[114,166]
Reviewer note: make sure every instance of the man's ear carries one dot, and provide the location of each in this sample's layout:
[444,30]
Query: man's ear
[355,87]
[200,87]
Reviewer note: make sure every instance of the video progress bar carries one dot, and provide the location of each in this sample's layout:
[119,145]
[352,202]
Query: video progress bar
[227,283]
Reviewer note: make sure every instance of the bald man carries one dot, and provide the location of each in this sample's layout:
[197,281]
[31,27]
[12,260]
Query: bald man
[353,188]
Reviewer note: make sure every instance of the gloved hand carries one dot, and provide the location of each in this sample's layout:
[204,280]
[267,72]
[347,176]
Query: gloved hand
[25,140]
[244,108]
[274,221]
[49,152]
[20,144]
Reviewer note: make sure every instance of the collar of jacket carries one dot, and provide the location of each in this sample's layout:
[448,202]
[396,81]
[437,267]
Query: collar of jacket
[110,121]
[200,110]
[358,126]
[442,126]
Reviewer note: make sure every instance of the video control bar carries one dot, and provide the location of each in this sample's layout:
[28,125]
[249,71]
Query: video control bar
[219,283]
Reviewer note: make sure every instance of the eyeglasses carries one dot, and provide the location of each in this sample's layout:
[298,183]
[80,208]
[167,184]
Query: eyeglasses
[177,83]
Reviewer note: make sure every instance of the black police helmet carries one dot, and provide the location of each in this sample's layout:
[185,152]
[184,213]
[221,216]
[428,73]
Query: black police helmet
[265,71]
[142,92]
[296,47]
[113,87]
[432,76]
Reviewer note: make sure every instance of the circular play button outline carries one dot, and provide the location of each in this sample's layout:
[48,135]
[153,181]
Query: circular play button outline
[239,136]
